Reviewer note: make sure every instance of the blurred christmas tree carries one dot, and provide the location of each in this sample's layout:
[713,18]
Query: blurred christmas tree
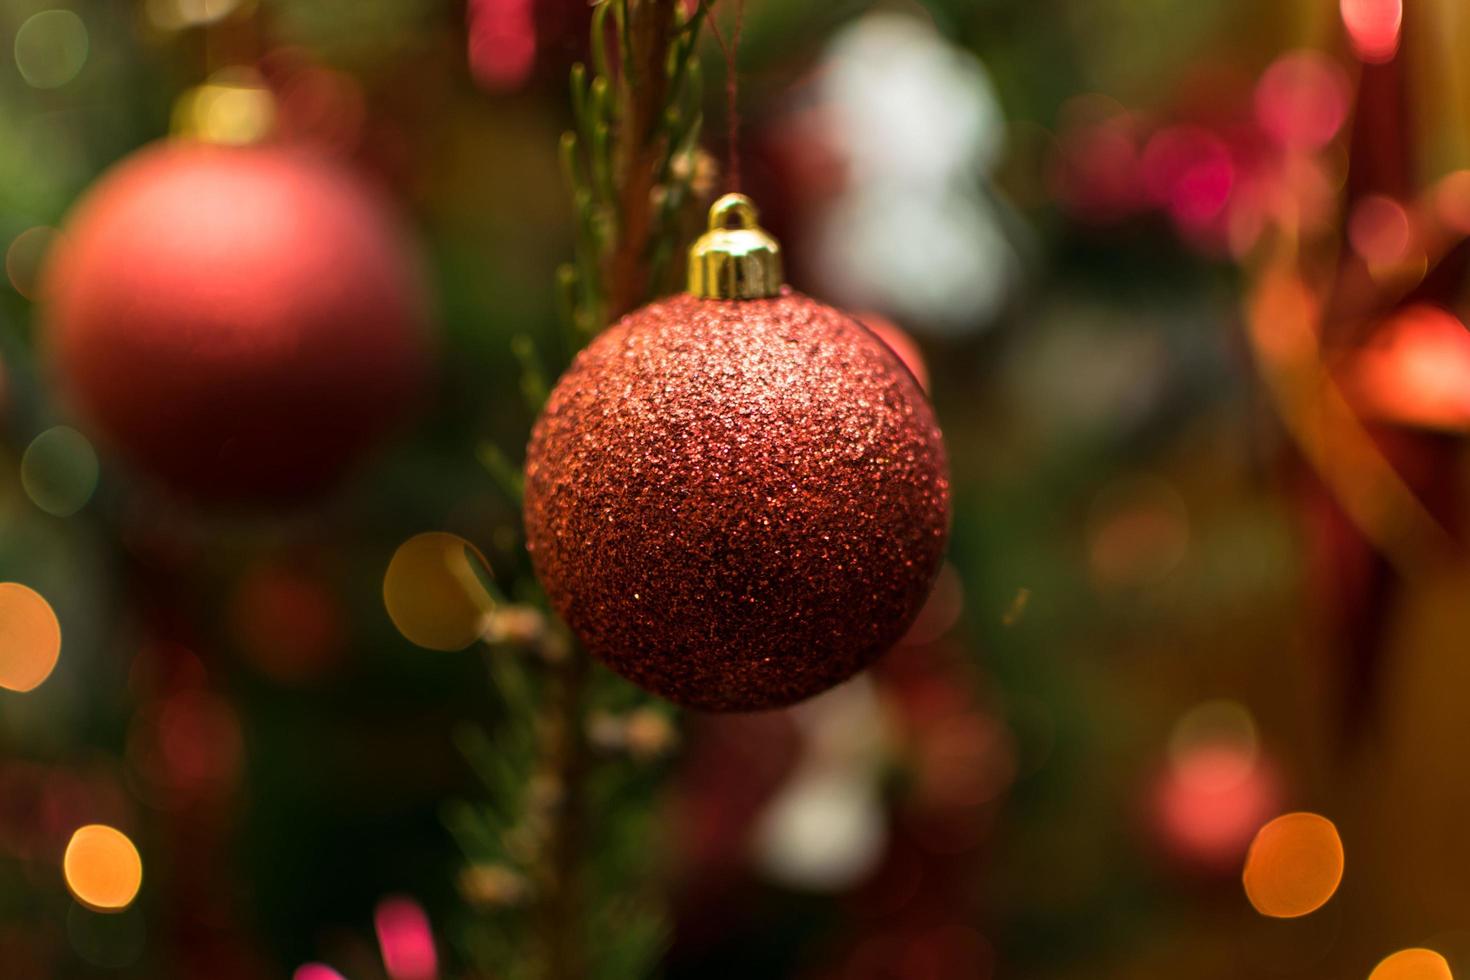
[282,696]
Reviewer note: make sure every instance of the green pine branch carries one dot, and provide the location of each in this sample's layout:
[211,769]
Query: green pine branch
[559,849]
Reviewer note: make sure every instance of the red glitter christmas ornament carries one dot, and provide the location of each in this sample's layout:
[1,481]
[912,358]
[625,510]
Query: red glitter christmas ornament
[239,323]
[738,497]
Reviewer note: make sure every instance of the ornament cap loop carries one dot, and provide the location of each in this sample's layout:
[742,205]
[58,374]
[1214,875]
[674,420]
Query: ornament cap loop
[736,258]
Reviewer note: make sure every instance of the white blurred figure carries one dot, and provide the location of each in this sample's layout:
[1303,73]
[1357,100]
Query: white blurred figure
[826,829]
[917,124]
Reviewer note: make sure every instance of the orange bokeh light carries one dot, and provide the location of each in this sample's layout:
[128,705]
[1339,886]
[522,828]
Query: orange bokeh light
[1413,964]
[1294,865]
[1452,201]
[103,869]
[30,638]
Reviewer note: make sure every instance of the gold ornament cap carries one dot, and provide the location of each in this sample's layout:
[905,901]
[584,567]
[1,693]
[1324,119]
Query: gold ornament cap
[736,258]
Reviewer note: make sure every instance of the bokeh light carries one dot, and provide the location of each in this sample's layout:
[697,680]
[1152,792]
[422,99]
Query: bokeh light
[1413,964]
[191,746]
[113,941]
[502,42]
[1380,231]
[30,638]
[234,107]
[1216,790]
[1414,370]
[909,106]
[174,15]
[964,761]
[312,103]
[288,623]
[912,117]
[1302,99]
[824,831]
[433,594]
[1294,865]
[1214,724]
[1452,201]
[1138,533]
[1188,171]
[1209,802]
[1373,27]
[102,867]
[23,258]
[405,940]
[51,48]
[59,471]
[315,971]
[1094,173]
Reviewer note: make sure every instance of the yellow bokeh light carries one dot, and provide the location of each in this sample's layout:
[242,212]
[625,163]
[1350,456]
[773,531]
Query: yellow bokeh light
[51,48]
[59,471]
[103,869]
[30,638]
[175,15]
[433,593]
[1294,865]
[1221,724]
[23,258]
[1413,964]
[233,107]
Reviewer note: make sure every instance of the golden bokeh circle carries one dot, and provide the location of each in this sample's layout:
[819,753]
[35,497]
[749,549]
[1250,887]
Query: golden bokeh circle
[50,48]
[59,471]
[1294,865]
[30,638]
[24,257]
[433,593]
[1413,964]
[103,869]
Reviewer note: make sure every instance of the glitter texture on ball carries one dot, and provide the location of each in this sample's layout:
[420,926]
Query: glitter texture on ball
[737,504]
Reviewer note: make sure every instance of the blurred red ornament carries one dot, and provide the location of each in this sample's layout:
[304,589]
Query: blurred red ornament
[737,503]
[240,323]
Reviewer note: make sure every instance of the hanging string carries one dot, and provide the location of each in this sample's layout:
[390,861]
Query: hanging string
[731,53]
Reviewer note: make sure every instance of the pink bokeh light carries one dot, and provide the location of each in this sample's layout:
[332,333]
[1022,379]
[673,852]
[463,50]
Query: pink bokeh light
[1188,171]
[1301,100]
[1094,170]
[406,940]
[502,42]
[1373,27]
[316,971]
[1380,230]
